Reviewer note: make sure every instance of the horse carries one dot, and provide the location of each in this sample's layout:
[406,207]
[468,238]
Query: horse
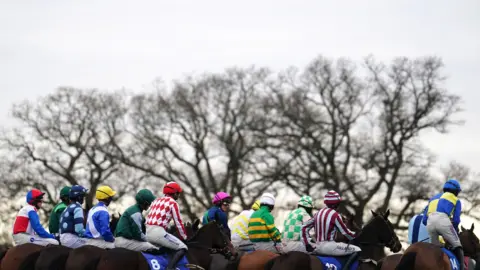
[434,257]
[21,257]
[52,258]
[258,259]
[377,233]
[209,238]
[26,255]
[87,257]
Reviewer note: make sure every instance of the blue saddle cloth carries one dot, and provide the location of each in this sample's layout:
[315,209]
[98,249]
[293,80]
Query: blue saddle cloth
[454,264]
[336,263]
[160,261]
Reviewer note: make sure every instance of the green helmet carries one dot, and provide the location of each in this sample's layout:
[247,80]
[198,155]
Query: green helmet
[306,201]
[144,196]
[65,192]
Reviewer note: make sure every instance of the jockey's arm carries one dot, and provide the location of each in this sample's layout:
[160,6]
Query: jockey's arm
[137,227]
[103,223]
[343,229]
[222,216]
[37,227]
[78,221]
[177,219]
[307,226]
[272,230]
[456,215]
[425,216]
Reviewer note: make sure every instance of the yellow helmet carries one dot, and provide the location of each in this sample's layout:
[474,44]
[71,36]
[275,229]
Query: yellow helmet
[256,205]
[104,192]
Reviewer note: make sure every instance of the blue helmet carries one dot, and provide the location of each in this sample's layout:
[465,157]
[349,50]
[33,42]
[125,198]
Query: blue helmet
[452,184]
[77,192]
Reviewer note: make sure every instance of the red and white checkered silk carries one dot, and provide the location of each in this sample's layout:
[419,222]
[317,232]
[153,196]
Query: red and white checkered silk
[162,211]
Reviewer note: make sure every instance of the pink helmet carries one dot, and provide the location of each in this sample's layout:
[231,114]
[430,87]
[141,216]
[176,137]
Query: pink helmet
[221,196]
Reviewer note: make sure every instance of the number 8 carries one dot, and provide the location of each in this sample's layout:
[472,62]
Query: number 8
[155,264]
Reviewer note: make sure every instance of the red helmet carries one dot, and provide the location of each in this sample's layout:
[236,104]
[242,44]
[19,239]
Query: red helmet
[171,188]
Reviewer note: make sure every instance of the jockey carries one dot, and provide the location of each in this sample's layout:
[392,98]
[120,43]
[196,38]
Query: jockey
[130,231]
[71,221]
[294,222]
[162,211]
[417,231]
[240,238]
[27,227]
[261,227]
[57,211]
[327,222]
[442,217]
[218,212]
[98,221]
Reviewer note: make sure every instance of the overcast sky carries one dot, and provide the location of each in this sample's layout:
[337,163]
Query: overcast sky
[113,44]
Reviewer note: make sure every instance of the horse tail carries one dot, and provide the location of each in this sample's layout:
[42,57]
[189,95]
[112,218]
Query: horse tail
[29,261]
[270,263]
[407,262]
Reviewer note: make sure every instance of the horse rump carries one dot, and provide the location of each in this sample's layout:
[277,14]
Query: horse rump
[120,258]
[53,258]
[290,260]
[29,261]
[407,262]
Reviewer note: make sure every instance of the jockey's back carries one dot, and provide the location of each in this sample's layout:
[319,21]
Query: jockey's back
[162,211]
[327,222]
[240,224]
[293,224]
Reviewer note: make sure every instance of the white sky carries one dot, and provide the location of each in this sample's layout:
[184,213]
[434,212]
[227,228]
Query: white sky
[113,44]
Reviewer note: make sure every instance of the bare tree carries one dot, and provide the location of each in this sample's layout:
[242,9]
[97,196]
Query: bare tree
[56,143]
[200,134]
[470,186]
[357,134]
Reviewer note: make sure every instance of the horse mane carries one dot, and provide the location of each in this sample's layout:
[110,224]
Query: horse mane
[195,234]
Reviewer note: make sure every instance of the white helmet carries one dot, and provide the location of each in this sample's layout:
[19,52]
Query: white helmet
[267,198]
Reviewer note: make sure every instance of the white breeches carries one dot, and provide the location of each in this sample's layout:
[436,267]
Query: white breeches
[158,236]
[100,243]
[333,248]
[72,241]
[133,244]
[23,238]
[440,224]
[295,246]
[269,246]
[242,244]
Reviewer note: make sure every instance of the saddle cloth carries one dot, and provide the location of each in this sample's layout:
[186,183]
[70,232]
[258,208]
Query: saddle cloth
[336,263]
[160,261]
[454,261]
